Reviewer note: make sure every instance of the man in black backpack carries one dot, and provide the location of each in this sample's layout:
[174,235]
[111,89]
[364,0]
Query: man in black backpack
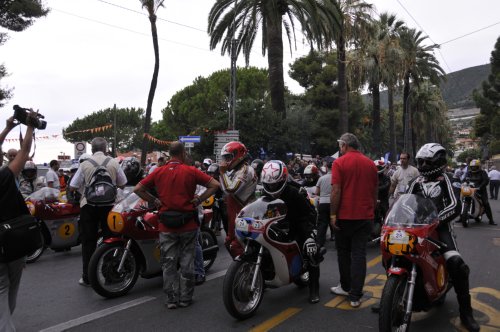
[98,175]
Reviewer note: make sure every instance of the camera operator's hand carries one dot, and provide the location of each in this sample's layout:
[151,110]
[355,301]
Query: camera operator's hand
[10,123]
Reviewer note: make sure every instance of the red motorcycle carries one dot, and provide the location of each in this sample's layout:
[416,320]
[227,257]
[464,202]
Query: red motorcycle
[134,250]
[58,220]
[416,270]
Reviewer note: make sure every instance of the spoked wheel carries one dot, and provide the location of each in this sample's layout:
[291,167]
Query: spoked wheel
[240,301]
[103,270]
[392,315]
[35,255]
[208,240]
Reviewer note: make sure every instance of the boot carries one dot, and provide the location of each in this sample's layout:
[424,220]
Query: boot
[313,284]
[466,317]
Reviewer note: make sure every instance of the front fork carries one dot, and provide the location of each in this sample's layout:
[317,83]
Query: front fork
[257,268]
[411,290]
[124,256]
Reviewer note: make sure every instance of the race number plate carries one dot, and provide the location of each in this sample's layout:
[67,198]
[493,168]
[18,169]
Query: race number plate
[400,242]
[399,237]
[242,225]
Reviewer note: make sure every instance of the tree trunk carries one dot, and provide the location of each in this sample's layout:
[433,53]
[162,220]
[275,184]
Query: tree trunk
[376,141]
[392,125]
[342,76]
[275,63]
[406,117]
[152,90]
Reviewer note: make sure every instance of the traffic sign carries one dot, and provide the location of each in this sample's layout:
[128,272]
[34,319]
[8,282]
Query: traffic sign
[192,139]
[225,139]
[80,148]
[189,145]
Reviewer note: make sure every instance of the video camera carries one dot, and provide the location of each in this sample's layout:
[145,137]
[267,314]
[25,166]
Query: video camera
[21,115]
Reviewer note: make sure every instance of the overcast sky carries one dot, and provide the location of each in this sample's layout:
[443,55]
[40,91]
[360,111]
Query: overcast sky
[87,55]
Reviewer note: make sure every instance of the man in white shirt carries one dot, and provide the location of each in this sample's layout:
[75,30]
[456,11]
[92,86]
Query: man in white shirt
[494,176]
[52,177]
[402,176]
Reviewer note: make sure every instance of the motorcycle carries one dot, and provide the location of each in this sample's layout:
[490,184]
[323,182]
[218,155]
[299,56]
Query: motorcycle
[58,220]
[472,206]
[270,258]
[134,250]
[214,208]
[416,270]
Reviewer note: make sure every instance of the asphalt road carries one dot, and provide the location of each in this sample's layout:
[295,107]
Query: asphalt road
[50,298]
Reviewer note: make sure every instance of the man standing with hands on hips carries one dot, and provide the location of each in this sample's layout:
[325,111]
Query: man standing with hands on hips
[352,207]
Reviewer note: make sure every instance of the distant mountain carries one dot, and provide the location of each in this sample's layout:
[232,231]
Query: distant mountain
[456,88]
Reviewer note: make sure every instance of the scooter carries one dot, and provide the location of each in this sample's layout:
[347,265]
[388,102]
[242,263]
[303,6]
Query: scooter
[472,206]
[58,220]
[134,250]
[416,270]
[270,258]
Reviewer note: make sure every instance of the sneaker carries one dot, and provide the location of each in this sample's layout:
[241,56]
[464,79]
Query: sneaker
[171,305]
[83,282]
[185,304]
[355,304]
[338,291]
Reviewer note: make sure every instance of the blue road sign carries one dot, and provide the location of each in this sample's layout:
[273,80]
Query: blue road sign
[190,139]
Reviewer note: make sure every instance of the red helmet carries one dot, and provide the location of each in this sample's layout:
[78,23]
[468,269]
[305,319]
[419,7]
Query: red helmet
[233,153]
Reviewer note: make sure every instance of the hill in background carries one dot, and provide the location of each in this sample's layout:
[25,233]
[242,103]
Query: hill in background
[456,89]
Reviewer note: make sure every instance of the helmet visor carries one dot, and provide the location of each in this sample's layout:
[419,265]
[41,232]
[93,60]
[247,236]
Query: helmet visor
[227,157]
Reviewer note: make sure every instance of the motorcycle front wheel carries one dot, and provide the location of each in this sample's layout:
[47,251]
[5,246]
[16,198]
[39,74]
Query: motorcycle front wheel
[464,217]
[103,270]
[393,306]
[240,301]
[208,240]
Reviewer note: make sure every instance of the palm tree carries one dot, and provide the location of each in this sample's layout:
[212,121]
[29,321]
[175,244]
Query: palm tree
[242,20]
[420,63]
[151,6]
[355,19]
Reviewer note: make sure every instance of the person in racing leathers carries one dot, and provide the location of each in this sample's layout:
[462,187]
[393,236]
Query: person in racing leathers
[437,185]
[480,179]
[28,180]
[300,216]
[238,181]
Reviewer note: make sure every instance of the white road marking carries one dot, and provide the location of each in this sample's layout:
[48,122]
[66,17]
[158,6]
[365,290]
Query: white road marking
[96,315]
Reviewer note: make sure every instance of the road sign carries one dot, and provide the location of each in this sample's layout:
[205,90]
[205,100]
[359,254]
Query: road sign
[225,139]
[80,148]
[189,145]
[219,145]
[191,139]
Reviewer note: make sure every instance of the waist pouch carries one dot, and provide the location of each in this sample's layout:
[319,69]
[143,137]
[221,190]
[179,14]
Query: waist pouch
[176,219]
[19,237]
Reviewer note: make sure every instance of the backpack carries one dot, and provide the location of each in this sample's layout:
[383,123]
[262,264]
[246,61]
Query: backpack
[100,191]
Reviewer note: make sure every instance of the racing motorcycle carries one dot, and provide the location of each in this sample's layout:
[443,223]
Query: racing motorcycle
[416,270]
[214,210]
[270,259]
[472,206]
[134,250]
[58,220]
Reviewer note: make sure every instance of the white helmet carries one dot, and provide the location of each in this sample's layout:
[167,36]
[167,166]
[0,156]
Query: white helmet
[73,167]
[431,159]
[207,162]
[274,177]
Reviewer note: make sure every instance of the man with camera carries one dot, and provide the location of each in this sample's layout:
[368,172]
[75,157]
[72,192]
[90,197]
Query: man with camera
[12,205]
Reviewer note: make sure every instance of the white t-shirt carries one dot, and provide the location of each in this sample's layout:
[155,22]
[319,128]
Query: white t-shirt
[401,178]
[494,174]
[325,188]
[52,176]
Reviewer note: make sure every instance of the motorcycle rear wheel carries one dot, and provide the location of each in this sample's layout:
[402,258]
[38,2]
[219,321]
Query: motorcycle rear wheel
[239,300]
[393,306]
[103,275]
[207,240]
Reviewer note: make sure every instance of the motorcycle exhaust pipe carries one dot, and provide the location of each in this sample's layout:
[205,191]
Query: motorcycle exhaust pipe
[210,250]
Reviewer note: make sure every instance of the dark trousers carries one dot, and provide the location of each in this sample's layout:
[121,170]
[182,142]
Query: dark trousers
[92,219]
[323,222]
[494,186]
[351,239]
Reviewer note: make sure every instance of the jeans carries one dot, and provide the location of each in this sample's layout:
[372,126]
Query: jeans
[198,259]
[351,239]
[92,219]
[178,249]
[10,278]
[494,186]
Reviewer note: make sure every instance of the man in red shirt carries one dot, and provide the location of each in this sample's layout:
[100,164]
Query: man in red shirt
[176,183]
[352,206]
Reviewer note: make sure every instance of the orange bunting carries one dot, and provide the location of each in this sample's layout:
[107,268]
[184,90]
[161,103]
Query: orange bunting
[93,130]
[44,137]
[156,140]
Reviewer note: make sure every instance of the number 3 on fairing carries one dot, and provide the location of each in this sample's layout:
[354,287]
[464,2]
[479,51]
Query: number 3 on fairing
[66,230]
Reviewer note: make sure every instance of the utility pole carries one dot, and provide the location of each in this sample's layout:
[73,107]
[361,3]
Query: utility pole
[232,91]
[115,150]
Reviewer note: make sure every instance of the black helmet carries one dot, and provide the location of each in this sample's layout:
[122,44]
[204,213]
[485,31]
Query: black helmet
[257,165]
[132,169]
[431,160]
